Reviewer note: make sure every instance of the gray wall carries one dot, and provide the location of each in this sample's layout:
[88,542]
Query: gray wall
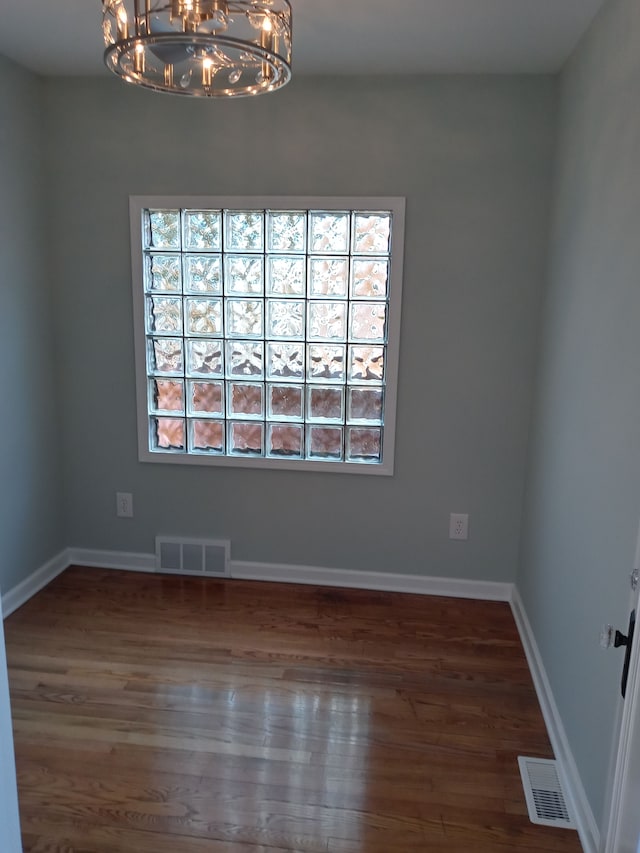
[30,500]
[584,484]
[473,158]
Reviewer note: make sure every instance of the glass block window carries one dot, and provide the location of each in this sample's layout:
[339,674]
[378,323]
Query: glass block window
[267,333]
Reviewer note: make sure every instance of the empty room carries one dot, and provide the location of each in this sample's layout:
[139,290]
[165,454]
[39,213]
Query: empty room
[320,470]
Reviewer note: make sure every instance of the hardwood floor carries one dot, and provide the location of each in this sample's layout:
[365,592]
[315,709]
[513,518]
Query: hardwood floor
[156,714]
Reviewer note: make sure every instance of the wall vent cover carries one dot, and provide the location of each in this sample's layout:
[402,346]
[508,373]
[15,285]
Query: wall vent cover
[543,792]
[181,556]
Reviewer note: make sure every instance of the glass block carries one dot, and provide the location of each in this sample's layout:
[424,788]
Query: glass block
[163,229]
[165,356]
[285,440]
[206,398]
[328,277]
[367,321]
[245,439]
[285,402]
[204,358]
[167,434]
[371,232]
[328,232]
[326,363]
[245,358]
[364,444]
[244,318]
[327,321]
[286,230]
[366,364]
[166,395]
[245,399]
[369,278]
[204,317]
[285,319]
[163,273]
[206,436]
[203,230]
[364,405]
[244,230]
[164,315]
[203,274]
[286,276]
[324,442]
[244,276]
[325,403]
[285,360]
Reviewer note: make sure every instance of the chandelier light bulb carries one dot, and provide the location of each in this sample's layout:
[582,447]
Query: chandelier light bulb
[207,72]
[266,34]
[138,59]
[122,23]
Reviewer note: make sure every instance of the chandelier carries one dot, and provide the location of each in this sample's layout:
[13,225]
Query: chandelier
[206,48]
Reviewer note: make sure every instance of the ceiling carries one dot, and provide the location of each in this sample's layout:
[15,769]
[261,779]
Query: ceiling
[340,36]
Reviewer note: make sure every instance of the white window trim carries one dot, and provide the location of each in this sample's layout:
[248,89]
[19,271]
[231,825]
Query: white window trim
[395,204]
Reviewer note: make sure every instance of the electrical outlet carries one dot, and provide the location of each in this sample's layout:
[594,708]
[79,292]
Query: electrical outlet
[124,504]
[458,525]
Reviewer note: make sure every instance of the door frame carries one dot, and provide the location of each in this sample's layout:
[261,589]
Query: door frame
[628,731]
[9,814]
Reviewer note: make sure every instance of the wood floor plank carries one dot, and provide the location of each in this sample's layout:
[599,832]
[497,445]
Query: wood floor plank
[158,714]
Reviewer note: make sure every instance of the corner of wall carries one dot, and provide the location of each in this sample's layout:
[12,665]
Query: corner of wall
[567,767]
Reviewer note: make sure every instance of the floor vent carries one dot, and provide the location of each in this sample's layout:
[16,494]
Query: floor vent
[208,557]
[543,792]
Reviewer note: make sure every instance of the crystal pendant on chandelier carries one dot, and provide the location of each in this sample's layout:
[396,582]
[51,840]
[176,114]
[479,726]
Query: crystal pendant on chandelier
[206,48]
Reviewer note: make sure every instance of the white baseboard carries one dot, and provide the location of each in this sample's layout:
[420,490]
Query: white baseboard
[282,573]
[22,592]
[567,769]
[417,584]
[127,561]
[288,573]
